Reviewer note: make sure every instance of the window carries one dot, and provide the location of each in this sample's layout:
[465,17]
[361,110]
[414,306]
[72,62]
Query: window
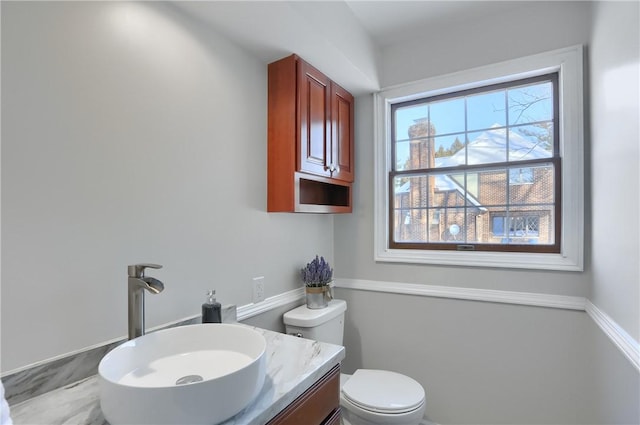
[463,155]
[484,167]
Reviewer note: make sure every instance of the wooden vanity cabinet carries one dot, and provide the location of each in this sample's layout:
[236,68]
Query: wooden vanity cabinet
[319,405]
[310,140]
[342,133]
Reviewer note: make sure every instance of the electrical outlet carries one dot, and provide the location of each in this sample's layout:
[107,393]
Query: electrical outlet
[258,289]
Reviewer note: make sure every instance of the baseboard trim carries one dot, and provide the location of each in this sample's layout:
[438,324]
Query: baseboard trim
[471,294]
[249,310]
[620,338]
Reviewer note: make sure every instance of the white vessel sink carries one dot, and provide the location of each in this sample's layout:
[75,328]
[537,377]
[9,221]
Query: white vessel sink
[197,374]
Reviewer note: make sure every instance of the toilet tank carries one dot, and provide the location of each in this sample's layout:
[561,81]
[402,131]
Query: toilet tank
[323,324]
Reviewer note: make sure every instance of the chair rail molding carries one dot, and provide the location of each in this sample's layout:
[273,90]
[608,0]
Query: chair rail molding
[629,347]
[620,338]
[472,294]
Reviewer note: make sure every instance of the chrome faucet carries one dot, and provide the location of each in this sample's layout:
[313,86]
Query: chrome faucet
[138,282]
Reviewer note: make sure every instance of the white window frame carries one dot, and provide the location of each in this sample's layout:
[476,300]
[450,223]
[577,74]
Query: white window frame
[568,62]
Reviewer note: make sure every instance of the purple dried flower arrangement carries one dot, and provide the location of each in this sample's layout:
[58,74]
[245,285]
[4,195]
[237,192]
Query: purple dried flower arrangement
[317,273]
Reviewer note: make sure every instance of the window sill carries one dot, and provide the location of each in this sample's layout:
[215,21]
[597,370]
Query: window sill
[511,260]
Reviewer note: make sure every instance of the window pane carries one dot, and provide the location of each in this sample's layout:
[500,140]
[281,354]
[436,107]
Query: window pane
[472,185]
[418,152]
[492,187]
[449,150]
[447,116]
[453,227]
[406,117]
[522,226]
[532,185]
[410,214]
[520,176]
[449,190]
[487,147]
[410,192]
[531,141]
[530,103]
[486,110]
[531,225]
[410,225]
[432,225]
[402,155]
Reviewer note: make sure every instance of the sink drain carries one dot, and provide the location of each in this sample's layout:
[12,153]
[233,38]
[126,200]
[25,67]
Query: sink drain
[189,379]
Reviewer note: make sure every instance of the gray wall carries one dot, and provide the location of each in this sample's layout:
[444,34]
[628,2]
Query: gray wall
[130,133]
[494,363]
[471,44]
[272,319]
[614,382]
[615,152]
[614,65]
[484,363]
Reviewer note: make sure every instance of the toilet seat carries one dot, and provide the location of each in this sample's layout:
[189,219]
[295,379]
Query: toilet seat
[384,392]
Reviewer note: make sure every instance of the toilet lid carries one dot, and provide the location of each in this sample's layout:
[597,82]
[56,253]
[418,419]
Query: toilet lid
[383,391]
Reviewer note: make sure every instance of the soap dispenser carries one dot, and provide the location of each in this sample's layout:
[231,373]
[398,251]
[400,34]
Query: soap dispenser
[211,310]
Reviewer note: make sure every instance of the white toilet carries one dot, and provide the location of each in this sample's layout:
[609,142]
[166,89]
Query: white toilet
[368,396]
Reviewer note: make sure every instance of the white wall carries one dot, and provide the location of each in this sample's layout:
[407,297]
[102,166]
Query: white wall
[615,158]
[131,134]
[491,363]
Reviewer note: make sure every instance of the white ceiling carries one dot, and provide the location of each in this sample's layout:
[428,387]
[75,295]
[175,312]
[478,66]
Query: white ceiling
[391,22]
[342,38]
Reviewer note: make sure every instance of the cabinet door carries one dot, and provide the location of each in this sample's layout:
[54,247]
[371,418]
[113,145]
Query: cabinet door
[341,160]
[314,100]
[319,405]
[334,418]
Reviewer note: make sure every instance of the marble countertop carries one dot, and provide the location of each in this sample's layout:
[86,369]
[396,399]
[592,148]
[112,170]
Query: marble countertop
[293,365]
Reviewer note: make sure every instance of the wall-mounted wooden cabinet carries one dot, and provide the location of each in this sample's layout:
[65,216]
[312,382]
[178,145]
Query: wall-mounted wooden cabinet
[310,136]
